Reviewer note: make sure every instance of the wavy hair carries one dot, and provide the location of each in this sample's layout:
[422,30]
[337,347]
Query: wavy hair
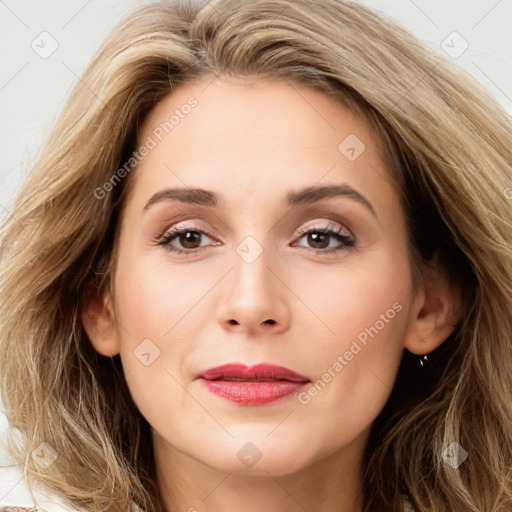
[447,146]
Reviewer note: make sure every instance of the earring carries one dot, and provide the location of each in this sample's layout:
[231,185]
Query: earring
[423,359]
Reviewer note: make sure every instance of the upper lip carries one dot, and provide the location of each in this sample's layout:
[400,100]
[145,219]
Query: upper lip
[259,372]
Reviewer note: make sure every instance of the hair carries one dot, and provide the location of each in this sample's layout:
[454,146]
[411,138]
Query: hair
[446,143]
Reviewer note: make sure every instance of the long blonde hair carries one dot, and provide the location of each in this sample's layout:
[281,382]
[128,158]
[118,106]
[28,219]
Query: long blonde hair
[448,149]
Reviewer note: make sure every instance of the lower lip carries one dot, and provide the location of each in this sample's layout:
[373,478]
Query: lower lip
[253,392]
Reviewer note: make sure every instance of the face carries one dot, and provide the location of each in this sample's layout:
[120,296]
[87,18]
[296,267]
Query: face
[269,265]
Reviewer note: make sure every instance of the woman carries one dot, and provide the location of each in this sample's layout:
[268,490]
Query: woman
[265,368]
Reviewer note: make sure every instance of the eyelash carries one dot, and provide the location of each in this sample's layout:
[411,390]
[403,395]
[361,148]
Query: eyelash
[168,236]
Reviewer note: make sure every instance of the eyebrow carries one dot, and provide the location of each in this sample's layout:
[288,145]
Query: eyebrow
[307,195]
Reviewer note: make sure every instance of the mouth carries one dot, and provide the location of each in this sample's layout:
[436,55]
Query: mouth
[240,379]
[259,372]
[256,385]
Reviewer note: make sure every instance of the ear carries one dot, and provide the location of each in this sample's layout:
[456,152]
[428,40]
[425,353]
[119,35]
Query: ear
[436,310]
[99,323]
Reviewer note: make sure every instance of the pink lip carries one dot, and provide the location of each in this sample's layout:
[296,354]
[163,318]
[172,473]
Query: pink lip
[255,385]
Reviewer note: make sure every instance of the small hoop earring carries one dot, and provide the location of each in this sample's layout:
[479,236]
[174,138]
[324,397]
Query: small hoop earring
[423,359]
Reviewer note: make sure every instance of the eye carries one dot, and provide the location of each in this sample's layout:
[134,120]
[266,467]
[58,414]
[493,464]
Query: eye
[189,237]
[320,237]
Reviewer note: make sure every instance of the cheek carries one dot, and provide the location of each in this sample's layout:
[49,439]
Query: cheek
[151,311]
[356,356]
[359,302]
[154,299]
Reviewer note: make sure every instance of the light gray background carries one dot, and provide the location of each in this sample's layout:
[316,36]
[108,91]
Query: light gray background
[33,86]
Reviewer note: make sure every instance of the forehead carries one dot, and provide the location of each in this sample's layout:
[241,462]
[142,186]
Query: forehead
[248,137]
[248,111]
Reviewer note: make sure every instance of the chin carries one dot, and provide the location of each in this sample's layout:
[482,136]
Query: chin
[254,455]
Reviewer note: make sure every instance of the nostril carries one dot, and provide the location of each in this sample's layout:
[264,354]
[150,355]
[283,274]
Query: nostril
[270,321]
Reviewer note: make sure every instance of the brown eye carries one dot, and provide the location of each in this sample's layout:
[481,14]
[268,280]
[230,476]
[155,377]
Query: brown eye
[319,238]
[187,237]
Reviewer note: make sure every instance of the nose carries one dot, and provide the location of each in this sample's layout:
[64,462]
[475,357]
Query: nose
[255,297]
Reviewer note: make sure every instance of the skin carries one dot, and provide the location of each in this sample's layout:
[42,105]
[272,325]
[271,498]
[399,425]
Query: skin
[251,144]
